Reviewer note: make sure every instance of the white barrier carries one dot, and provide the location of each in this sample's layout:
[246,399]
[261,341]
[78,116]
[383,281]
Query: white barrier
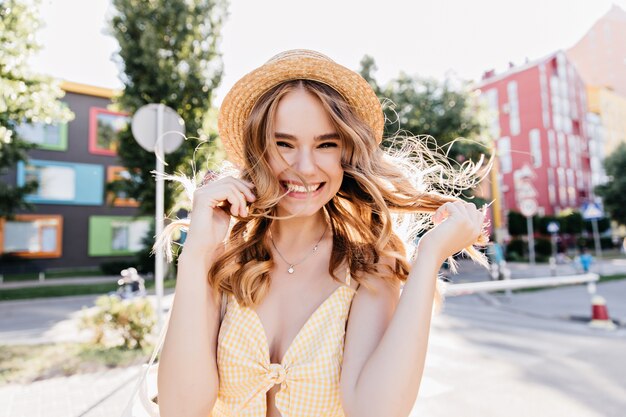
[452,290]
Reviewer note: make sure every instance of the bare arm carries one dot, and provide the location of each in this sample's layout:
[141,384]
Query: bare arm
[385,350]
[390,372]
[187,378]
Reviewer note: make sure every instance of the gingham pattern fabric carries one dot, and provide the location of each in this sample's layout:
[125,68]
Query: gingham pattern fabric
[308,374]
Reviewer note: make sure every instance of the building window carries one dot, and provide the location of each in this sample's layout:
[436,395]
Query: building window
[573,151]
[552,148]
[562,186]
[32,236]
[46,136]
[117,235]
[514,121]
[504,152]
[62,182]
[119,198]
[543,86]
[534,136]
[571,188]
[104,130]
[491,102]
[562,150]
[551,187]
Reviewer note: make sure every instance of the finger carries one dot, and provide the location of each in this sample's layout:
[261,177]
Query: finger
[235,200]
[472,212]
[243,204]
[443,212]
[467,210]
[243,187]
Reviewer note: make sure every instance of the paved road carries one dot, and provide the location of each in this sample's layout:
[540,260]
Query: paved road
[489,356]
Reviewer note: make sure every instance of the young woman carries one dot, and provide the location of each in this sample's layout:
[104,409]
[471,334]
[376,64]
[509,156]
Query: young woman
[303,248]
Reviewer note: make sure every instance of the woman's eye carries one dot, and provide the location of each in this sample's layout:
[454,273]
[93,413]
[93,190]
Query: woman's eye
[328,145]
[283,144]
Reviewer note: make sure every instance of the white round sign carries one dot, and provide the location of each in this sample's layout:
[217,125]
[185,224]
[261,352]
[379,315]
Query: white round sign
[528,207]
[145,129]
[553,227]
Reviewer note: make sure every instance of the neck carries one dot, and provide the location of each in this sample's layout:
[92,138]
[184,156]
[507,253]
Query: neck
[295,235]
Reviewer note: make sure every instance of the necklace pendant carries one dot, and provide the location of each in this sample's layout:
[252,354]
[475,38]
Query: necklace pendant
[290,270]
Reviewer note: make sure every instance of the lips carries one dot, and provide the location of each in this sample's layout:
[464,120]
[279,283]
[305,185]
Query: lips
[298,190]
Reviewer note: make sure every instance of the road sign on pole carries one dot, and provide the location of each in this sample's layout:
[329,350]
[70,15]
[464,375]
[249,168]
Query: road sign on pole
[159,129]
[592,211]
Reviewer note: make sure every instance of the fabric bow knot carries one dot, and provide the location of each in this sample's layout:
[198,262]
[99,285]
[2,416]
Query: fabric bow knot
[276,373]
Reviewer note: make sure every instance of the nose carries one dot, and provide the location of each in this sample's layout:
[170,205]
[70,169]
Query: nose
[305,162]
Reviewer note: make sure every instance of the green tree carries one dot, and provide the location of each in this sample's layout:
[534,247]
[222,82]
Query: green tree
[518,224]
[613,193]
[24,97]
[571,222]
[168,54]
[422,106]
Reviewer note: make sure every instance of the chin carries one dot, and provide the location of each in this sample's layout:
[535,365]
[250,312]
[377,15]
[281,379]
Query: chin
[299,210]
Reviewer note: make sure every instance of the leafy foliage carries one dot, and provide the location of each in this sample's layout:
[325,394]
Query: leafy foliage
[447,112]
[24,97]
[130,321]
[613,193]
[168,54]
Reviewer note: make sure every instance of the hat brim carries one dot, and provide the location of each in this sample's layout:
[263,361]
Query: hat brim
[240,100]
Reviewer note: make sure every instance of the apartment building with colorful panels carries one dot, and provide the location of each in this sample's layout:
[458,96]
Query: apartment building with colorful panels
[75,222]
[539,125]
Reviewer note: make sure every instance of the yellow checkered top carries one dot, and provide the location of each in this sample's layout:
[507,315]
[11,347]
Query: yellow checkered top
[308,374]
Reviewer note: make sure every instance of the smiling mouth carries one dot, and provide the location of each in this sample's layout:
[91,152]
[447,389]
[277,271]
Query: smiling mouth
[292,188]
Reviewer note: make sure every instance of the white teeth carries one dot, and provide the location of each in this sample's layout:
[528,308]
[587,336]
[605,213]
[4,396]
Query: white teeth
[301,189]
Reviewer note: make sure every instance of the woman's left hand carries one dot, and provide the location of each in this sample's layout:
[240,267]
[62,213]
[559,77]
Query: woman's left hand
[458,225]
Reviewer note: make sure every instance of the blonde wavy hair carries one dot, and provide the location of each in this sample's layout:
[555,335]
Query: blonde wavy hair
[384,201]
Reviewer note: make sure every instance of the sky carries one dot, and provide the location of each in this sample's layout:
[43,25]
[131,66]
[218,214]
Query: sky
[442,38]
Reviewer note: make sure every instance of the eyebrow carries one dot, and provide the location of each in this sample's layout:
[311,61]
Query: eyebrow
[326,136]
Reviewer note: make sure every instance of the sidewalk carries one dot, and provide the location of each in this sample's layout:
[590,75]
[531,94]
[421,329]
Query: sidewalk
[58,281]
[101,394]
[105,394]
[470,271]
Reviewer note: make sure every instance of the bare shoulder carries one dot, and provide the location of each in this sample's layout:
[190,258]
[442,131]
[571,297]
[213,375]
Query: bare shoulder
[370,314]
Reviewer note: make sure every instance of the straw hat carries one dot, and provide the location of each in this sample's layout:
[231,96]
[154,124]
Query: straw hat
[293,65]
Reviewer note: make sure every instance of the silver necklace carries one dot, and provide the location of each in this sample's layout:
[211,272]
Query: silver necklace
[292,265]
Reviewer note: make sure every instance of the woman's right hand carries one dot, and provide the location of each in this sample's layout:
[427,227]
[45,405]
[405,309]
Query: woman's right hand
[213,205]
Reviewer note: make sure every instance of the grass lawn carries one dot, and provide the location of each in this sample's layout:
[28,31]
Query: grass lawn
[28,363]
[33,276]
[67,290]
[615,277]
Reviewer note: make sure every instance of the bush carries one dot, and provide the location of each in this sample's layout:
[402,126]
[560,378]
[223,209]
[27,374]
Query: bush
[571,222]
[128,321]
[543,247]
[515,249]
[604,224]
[588,242]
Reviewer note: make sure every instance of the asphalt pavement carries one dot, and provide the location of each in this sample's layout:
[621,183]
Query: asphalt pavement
[489,355]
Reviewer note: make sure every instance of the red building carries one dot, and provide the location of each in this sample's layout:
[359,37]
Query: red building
[539,126]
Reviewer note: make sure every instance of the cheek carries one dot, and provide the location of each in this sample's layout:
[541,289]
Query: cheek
[277,164]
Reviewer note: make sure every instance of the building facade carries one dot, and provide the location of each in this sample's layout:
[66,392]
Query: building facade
[539,126]
[75,223]
[600,55]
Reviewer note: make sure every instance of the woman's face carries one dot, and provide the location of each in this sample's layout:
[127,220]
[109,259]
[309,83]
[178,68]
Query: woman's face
[310,145]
